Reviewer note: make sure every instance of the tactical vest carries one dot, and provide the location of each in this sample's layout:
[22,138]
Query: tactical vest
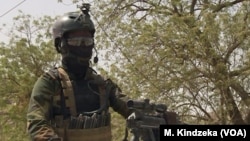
[94,127]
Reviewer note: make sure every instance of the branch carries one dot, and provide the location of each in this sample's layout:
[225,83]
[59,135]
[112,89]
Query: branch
[242,93]
[238,72]
[192,6]
[226,4]
[4,113]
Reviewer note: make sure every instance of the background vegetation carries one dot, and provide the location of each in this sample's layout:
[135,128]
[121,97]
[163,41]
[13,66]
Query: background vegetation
[191,55]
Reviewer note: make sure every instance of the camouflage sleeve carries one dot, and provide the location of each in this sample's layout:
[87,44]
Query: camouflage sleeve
[118,101]
[38,114]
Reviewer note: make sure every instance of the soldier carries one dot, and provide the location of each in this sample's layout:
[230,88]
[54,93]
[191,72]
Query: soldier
[71,102]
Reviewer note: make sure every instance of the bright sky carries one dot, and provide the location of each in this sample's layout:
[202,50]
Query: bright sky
[36,8]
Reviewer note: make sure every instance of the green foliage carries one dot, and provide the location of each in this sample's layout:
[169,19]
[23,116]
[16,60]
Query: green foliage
[194,57]
[117,125]
[187,55]
[29,53]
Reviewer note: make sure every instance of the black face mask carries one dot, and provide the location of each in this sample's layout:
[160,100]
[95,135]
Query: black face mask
[76,58]
[75,66]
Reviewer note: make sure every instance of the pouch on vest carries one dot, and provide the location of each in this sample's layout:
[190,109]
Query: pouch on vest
[82,128]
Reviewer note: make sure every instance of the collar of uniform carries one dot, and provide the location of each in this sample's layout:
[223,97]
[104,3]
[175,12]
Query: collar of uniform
[87,76]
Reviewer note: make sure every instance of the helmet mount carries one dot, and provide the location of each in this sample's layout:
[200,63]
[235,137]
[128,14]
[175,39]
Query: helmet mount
[85,7]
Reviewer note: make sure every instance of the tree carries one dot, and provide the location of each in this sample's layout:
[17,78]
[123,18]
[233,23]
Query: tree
[29,53]
[193,55]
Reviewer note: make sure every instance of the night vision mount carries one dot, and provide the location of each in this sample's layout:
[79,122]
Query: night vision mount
[85,7]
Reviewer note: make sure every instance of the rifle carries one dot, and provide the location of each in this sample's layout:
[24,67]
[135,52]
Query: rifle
[145,120]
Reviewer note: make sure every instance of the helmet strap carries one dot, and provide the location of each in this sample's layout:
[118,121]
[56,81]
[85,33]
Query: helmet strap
[57,45]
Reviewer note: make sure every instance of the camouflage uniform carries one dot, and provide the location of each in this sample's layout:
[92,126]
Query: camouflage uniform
[43,108]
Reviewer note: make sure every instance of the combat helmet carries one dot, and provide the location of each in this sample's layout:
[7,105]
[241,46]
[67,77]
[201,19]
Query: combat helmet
[72,21]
